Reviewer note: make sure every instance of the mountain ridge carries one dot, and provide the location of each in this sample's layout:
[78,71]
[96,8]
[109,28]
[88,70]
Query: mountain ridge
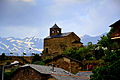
[33,44]
[94,39]
[18,46]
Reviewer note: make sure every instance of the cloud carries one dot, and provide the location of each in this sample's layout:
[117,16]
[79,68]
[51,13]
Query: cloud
[93,18]
[28,1]
[59,7]
[86,16]
[25,0]
[19,31]
[69,1]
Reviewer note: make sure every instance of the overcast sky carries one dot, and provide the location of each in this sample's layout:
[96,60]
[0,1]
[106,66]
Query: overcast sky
[26,18]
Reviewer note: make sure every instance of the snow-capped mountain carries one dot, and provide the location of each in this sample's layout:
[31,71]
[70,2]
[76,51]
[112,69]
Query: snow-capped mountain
[94,39]
[31,45]
[18,46]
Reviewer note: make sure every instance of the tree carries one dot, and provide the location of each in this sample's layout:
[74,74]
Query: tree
[73,53]
[109,72]
[35,58]
[11,53]
[99,53]
[89,43]
[105,42]
[24,54]
[81,53]
[111,57]
[2,57]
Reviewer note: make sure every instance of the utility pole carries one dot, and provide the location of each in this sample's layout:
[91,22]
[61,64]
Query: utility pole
[3,72]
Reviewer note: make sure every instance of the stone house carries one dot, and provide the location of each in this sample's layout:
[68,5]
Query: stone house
[57,42]
[65,62]
[115,35]
[38,72]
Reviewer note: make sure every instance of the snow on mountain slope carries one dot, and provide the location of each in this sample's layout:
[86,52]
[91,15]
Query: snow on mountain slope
[18,46]
[33,44]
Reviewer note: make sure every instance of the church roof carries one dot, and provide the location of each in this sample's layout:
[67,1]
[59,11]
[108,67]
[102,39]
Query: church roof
[61,35]
[115,24]
[55,26]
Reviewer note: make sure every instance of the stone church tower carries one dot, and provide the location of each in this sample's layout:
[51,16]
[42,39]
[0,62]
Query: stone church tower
[57,41]
[55,30]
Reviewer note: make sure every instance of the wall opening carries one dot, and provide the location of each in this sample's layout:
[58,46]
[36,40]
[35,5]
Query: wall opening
[46,50]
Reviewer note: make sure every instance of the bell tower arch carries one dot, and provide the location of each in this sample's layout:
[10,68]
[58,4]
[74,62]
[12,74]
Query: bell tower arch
[55,30]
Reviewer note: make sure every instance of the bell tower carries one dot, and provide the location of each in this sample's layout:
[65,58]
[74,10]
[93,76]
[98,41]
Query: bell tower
[55,30]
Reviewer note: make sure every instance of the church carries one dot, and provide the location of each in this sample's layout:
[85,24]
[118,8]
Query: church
[57,41]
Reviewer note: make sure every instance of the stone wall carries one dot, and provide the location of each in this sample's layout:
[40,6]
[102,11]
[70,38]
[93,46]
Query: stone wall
[56,46]
[67,64]
[29,74]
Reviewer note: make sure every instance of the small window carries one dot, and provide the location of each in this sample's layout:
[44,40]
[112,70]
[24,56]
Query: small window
[57,31]
[46,50]
[52,31]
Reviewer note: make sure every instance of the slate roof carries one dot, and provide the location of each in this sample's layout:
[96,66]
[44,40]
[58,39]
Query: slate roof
[84,73]
[58,73]
[55,26]
[115,24]
[61,35]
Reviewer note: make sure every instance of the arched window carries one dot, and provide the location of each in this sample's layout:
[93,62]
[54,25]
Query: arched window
[52,31]
[58,31]
[46,50]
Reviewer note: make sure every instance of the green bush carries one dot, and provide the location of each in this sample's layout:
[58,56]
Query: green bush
[109,72]
[35,58]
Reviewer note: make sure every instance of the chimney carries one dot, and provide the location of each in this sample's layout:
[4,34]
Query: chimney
[53,69]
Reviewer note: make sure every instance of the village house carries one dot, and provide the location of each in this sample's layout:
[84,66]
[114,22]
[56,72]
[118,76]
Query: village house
[39,72]
[115,36]
[57,41]
[65,62]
